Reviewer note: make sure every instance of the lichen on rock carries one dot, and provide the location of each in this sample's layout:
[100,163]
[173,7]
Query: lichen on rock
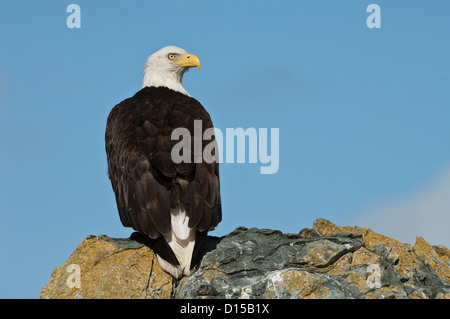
[326,261]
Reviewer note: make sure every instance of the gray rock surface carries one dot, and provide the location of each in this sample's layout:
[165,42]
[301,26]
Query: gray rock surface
[264,263]
[325,261]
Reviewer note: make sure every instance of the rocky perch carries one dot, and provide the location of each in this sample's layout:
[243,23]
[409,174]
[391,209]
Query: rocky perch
[326,261]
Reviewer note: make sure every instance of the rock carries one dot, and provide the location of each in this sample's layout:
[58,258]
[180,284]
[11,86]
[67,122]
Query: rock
[437,257]
[326,261]
[109,268]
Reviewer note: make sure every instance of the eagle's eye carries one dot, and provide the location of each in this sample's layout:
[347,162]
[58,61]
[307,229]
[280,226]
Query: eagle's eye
[171,56]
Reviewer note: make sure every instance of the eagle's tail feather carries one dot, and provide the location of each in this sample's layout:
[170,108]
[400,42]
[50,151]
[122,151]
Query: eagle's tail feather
[181,241]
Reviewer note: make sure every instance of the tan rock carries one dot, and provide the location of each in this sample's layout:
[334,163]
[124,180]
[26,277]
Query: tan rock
[430,256]
[301,284]
[370,238]
[403,259]
[323,262]
[102,268]
[387,293]
[364,256]
[443,296]
[342,265]
[443,252]
[326,228]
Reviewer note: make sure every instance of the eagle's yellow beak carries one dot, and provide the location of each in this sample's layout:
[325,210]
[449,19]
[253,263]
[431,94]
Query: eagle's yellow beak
[189,61]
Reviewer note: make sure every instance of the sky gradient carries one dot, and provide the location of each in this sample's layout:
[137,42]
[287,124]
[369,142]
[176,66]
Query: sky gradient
[363,116]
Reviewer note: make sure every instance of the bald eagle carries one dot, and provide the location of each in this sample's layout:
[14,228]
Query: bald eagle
[173,204]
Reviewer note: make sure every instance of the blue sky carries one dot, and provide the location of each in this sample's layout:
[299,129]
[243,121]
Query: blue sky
[363,116]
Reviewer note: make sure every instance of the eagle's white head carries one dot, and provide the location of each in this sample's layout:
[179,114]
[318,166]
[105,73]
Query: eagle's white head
[167,66]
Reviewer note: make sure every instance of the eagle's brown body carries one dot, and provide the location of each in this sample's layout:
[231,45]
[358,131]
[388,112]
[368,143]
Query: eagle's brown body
[146,182]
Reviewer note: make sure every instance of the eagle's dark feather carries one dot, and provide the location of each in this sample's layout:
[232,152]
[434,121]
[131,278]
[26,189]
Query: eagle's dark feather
[144,178]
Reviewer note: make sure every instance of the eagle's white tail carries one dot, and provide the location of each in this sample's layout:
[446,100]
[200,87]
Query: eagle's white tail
[182,241]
